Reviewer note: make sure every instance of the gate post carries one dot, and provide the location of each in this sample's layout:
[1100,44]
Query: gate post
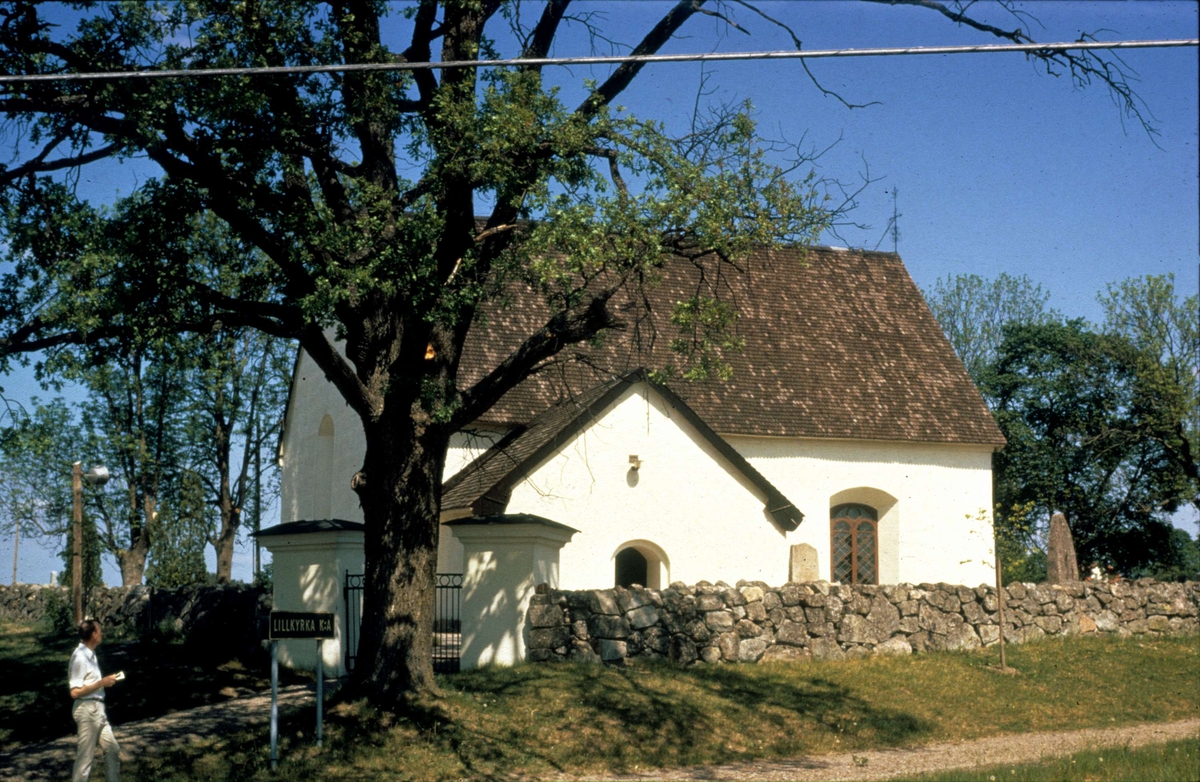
[505,558]
[310,558]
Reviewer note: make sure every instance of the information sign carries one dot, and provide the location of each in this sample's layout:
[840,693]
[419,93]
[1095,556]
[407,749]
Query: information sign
[295,624]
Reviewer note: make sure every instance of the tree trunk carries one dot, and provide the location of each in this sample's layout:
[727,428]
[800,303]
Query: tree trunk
[133,561]
[230,514]
[400,489]
[230,521]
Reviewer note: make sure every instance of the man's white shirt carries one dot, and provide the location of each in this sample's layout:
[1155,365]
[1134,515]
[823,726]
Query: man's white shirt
[83,670]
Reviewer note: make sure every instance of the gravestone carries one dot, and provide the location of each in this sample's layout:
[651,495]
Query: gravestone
[1061,566]
[802,566]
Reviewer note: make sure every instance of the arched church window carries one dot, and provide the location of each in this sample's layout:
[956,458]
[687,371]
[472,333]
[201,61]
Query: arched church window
[321,478]
[854,538]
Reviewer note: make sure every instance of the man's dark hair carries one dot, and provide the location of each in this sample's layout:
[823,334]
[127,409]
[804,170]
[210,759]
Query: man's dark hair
[87,628]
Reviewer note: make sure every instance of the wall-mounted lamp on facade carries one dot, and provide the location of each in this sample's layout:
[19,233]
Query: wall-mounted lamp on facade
[634,462]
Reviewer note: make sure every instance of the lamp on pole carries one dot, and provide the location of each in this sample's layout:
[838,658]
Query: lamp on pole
[97,476]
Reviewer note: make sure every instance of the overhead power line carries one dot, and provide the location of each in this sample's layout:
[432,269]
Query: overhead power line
[1035,48]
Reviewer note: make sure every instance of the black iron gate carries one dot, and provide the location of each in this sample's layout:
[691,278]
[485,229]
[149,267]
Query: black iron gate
[447,626]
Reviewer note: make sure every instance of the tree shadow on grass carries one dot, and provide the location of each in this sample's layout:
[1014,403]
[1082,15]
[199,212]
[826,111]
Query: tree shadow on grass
[34,702]
[535,720]
[661,715]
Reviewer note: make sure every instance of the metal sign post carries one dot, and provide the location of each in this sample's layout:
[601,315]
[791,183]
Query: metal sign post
[274,704]
[294,624]
[320,689]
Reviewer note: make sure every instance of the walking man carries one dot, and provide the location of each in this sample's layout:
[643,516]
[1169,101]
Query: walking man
[87,690]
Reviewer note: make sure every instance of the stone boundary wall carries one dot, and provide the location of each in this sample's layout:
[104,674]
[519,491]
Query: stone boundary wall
[714,623]
[230,617]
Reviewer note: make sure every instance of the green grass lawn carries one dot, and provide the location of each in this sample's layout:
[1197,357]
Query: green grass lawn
[35,705]
[542,720]
[1176,761]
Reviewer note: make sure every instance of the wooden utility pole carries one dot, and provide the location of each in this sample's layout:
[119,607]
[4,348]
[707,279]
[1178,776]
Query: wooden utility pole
[77,539]
[1000,610]
[16,548]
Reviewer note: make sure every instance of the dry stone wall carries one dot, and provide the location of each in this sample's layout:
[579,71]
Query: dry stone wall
[753,622]
[229,617]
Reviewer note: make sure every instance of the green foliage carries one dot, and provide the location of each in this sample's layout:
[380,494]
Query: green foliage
[1151,338]
[265,577]
[1090,422]
[973,312]
[1155,317]
[59,617]
[1182,562]
[90,554]
[180,537]
[1021,557]
[36,453]
[707,325]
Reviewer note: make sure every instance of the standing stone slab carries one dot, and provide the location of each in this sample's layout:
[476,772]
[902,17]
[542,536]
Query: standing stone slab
[1061,565]
[802,564]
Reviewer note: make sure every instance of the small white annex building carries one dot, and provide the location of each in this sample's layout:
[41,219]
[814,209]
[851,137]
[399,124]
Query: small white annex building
[850,444]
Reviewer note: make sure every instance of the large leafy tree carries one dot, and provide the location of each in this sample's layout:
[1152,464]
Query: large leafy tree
[235,378]
[181,532]
[1152,314]
[36,455]
[238,391]
[1092,424]
[390,208]
[131,418]
[974,310]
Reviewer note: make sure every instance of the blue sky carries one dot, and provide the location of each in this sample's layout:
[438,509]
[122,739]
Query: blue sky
[999,167]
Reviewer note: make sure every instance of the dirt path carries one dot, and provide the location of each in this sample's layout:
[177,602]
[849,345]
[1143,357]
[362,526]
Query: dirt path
[53,760]
[891,763]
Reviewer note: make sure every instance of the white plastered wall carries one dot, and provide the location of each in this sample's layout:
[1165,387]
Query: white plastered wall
[308,574]
[323,446]
[925,492]
[685,500]
[929,496]
[317,465]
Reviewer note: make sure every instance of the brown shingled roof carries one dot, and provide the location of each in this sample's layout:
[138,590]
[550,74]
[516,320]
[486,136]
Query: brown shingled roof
[844,347]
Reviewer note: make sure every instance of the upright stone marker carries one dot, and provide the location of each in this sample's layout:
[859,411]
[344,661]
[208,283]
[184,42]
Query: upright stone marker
[802,566]
[1061,566]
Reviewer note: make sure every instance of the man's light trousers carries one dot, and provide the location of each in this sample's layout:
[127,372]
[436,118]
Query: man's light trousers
[94,730]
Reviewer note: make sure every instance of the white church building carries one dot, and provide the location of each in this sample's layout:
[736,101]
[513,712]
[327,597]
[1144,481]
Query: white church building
[849,445]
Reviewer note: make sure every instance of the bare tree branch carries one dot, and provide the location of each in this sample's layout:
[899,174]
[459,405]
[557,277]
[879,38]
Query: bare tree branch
[339,372]
[565,328]
[624,75]
[1083,67]
[538,44]
[614,169]
[804,63]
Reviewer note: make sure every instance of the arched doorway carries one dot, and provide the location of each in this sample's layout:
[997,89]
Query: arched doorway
[631,568]
[854,539]
[641,562]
